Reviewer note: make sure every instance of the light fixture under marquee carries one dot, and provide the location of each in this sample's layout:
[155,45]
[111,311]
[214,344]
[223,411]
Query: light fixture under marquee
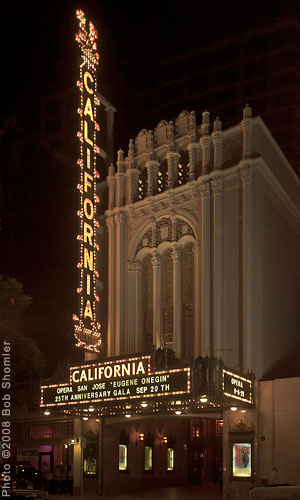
[86,329]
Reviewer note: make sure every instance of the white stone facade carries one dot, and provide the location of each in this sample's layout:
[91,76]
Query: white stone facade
[204,244]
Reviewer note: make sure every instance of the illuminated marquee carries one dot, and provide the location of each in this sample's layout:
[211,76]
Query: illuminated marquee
[112,381]
[237,387]
[86,328]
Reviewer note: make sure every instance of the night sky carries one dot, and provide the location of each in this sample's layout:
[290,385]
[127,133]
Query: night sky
[39,55]
[39,51]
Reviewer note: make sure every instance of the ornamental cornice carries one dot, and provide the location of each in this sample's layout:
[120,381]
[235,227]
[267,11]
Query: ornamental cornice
[165,200]
[172,197]
[193,187]
[152,204]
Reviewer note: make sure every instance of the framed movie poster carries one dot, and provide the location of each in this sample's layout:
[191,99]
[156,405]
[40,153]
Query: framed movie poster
[242,460]
[123,464]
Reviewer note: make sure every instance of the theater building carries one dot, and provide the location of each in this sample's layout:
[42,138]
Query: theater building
[202,242]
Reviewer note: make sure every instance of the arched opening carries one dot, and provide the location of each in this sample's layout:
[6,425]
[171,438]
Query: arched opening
[143,184]
[162,181]
[187,301]
[147,304]
[183,168]
[166,266]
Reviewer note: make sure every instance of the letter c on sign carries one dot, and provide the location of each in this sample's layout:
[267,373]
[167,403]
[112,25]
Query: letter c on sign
[88,75]
[73,376]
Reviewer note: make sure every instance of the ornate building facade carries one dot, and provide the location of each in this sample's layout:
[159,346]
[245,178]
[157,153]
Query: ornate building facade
[198,222]
[203,245]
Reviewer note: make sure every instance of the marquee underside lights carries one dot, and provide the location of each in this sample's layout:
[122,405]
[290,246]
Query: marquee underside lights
[86,329]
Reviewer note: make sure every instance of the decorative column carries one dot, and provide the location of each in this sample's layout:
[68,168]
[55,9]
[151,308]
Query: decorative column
[134,333]
[173,226]
[110,222]
[247,348]
[218,222]
[172,157]
[192,150]
[111,181]
[177,342]
[120,284]
[197,305]
[132,175]
[217,137]
[152,174]
[217,255]
[203,276]
[192,146]
[154,231]
[151,165]
[246,270]
[120,179]
[247,132]
[156,300]
[205,142]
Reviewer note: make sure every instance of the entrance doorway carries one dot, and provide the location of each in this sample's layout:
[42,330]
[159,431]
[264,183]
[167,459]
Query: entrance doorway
[205,450]
[46,457]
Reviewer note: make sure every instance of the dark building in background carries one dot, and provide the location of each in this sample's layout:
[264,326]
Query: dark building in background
[59,122]
[38,198]
[259,66]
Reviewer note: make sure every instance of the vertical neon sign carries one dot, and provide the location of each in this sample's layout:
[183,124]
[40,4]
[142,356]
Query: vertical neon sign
[86,329]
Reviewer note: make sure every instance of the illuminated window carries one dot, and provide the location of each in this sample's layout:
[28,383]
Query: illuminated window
[170,458]
[183,168]
[143,184]
[148,458]
[123,457]
[162,181]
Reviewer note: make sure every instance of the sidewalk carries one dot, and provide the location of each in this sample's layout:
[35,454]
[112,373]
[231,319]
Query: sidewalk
[207,491]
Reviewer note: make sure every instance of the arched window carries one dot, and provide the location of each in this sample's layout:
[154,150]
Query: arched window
[162,181]
[183,168]
[143,184]
[147,304]
[187,300]
[166,265]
